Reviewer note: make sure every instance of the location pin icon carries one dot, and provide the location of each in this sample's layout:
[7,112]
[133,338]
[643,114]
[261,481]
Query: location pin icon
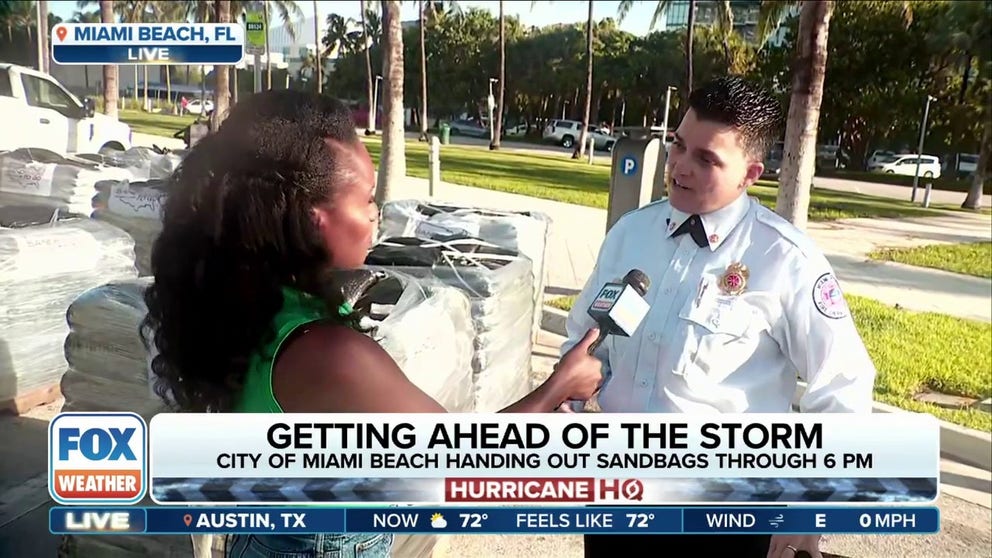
[187,519]
[60,31]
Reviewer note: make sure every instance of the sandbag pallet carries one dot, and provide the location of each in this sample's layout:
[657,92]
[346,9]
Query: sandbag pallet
[46,261]
[526,232]
[499,285]
[45,178]
[135,207]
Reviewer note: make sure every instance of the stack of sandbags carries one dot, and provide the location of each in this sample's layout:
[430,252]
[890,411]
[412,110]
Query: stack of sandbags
[526,232]
[108,362]
[427,328]
[45,263]
[135,207]
[41,177]
[141,163]
[499,285]
[108,371]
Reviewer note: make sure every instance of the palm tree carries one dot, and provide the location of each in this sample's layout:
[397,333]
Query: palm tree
[809,70]
[367,44]
[502,79]
[316,48]
[109,70]
[580,150]
[423,71]
[222,86]
[43,30]
[289,14]
[132,11]
[969,30]
[623,8]
[86,17]
[392,167]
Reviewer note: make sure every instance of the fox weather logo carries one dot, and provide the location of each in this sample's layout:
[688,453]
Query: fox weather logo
[97,458]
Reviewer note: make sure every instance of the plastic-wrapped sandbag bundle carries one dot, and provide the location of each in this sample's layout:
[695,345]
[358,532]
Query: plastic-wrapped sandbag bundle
[42,177]
[135,207]
[108,362]
[499,285]
[427,328]
[45,263]
[524,231]
[141,163]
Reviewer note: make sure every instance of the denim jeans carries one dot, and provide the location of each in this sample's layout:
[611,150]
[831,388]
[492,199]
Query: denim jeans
[357,545]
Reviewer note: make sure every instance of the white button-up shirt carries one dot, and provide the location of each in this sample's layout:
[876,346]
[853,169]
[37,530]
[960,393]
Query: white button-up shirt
[707,347]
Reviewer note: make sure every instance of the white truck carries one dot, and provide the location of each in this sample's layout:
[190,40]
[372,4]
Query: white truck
[37,111]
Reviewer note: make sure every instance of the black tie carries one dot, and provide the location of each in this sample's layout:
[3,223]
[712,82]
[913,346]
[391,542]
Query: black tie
[694,226]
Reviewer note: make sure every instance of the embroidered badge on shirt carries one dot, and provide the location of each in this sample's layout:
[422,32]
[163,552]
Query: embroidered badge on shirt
[828,298]
[734,280]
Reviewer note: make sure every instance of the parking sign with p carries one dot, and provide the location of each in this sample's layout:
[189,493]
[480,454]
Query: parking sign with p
[97,458]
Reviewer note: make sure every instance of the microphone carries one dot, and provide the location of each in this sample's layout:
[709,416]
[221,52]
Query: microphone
[618,309]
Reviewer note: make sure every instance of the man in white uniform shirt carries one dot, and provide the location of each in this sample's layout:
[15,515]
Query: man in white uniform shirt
[741,303]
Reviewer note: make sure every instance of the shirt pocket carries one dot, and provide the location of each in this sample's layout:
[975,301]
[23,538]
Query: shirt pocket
[721,334]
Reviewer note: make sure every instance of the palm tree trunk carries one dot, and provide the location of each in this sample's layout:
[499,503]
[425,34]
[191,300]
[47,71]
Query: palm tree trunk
[974,199]
[44,57]
[691,23]
[168,83]
[583,136]
[109,70]
[135,95]
[268,52]
[144,84]
[234,85]
[423,74]
[502,79]
[799,159]
[370,125]
[316,48]
[222,86]
[392,167]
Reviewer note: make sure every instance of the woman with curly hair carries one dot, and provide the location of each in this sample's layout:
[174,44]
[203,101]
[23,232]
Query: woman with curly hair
[258,214]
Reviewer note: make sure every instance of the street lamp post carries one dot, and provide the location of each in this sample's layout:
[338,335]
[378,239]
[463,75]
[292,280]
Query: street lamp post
[374,109]
[668,101]
[919,149]
[491,103]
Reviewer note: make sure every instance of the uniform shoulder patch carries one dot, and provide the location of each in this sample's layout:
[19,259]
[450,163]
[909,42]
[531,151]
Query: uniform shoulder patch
[828,298]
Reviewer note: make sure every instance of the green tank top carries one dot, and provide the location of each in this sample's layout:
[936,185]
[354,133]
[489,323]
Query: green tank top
[298,309]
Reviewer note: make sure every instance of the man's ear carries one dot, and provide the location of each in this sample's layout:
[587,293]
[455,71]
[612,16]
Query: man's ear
[754,171]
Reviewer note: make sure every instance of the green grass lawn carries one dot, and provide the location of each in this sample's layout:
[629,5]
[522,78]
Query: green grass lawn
[155,124]
[562,179]
[969,258]
[919,351]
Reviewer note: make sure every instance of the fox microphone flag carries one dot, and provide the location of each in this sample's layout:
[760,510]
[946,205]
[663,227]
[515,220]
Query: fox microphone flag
[618,310]
[148,43]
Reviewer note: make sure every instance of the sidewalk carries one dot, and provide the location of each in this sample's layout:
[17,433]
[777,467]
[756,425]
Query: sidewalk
[578,231]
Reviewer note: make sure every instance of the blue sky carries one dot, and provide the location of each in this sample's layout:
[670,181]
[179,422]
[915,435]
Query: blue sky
[543,13]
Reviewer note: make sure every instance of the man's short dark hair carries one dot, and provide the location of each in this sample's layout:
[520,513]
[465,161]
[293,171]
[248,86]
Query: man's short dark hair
[748,108]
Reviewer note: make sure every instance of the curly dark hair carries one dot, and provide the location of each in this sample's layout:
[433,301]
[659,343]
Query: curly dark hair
[237,227]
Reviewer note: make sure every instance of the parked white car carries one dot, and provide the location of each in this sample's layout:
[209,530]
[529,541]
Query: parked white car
[37,111]
[566,132]
[878,156]
[906,165]
[196,106]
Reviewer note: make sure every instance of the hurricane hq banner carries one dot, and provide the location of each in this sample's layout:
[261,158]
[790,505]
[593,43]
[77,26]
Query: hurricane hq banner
[547,459]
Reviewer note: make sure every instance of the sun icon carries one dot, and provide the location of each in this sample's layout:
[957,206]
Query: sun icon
[438,522]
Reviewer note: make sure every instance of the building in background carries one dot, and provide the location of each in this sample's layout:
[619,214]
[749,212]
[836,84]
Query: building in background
[708,13]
